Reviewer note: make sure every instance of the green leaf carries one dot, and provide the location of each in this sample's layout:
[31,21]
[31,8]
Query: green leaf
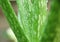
[13,21]
[32,16]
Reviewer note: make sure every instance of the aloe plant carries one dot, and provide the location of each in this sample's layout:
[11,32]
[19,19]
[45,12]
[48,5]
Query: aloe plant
[32,24]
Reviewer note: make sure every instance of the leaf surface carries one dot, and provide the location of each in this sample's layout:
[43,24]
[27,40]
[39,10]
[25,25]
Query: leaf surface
[13,20]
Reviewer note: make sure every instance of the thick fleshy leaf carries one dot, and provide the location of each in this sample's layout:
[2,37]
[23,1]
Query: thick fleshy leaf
[32,17]
[13,21]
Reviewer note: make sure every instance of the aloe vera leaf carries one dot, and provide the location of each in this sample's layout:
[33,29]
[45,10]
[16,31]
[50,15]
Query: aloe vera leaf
[13,21]
[32,13]
[27,22]
[42,17]
[51,32]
